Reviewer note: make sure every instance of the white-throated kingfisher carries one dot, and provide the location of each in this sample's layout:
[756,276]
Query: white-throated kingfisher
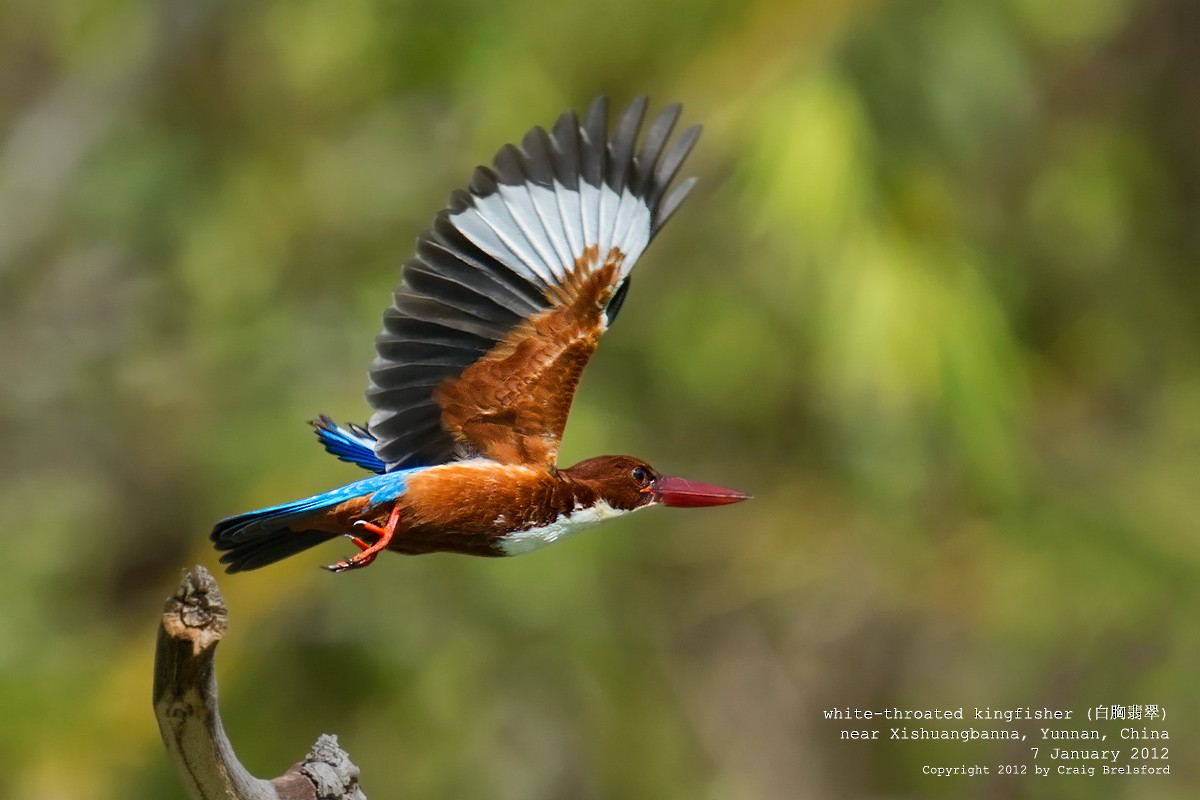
[481,350]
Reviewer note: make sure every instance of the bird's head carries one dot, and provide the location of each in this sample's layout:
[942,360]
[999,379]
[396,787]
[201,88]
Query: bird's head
[628,483]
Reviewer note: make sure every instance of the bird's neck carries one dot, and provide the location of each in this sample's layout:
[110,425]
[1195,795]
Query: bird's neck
[574,492]
[575,505]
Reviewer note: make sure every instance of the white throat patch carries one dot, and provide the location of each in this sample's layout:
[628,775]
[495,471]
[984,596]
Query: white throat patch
[565,525]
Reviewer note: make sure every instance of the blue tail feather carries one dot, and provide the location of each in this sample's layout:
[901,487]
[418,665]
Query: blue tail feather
[353,444]
[262,537]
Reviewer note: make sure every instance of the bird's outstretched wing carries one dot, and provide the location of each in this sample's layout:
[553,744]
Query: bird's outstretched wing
[510,290]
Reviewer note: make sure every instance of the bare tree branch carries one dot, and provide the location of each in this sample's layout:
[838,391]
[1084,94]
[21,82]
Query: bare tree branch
[185,702]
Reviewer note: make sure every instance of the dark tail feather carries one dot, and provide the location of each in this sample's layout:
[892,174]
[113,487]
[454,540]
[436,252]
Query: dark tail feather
[276,546]
[263,537]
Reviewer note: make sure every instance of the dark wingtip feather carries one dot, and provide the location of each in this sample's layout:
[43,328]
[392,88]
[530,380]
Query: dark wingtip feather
[672,201]
[508,166]
[536,157]
[565,149]
[656,137]
[459,200]
[483,181]
[672,160]
[620,147]
[593,152]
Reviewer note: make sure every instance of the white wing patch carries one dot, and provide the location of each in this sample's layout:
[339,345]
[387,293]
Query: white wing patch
[491,224]
[533,229]
[568,213]
[546,202]
[563,526]
[480,232]
[538,233]
[589,210]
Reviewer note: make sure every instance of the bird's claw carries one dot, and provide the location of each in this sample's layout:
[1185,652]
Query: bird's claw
[369,551]
[355,562]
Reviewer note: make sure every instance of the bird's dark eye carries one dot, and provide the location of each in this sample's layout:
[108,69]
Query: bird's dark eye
[641,476]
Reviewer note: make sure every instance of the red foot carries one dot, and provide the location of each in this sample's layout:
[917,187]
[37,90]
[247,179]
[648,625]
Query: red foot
[369,551]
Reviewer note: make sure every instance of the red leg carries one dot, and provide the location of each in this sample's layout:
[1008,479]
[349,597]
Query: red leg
[369,551]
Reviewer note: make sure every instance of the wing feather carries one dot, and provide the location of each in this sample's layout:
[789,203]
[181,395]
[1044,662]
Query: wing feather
[516,191]
[565,162]
[511,288]
[536,162]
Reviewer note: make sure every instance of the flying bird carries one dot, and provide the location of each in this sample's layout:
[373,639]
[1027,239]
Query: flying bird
[493,322]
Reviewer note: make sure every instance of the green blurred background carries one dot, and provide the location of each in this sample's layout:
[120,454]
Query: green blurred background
[934,302]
